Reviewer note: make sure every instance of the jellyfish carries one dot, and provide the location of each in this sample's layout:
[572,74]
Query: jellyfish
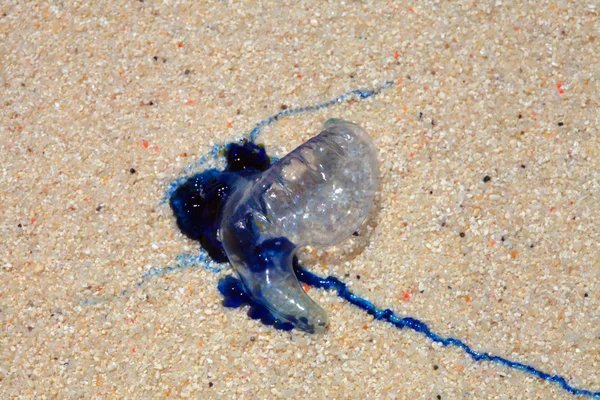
[317,195]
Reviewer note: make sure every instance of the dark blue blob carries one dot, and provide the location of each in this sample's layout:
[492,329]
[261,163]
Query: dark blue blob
[284,326]
[247,156]
[269,319]
[233,292]
[198,202]
[258,312]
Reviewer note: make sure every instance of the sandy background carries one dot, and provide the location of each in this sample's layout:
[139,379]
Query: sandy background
[104,104]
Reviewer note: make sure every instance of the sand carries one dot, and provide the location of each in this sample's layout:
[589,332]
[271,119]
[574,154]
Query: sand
[105,104]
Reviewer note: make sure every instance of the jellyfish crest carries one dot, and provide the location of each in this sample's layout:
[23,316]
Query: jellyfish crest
[319,194]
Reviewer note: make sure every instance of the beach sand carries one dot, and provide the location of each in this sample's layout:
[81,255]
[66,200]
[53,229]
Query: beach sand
[487,227]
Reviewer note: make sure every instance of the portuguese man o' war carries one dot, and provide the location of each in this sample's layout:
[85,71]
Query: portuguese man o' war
[257,216]
[319,194]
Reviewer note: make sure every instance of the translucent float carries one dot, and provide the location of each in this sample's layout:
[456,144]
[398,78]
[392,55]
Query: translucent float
[317,195]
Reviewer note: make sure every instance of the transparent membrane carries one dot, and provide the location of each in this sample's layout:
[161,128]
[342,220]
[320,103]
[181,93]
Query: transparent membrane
[318,194]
